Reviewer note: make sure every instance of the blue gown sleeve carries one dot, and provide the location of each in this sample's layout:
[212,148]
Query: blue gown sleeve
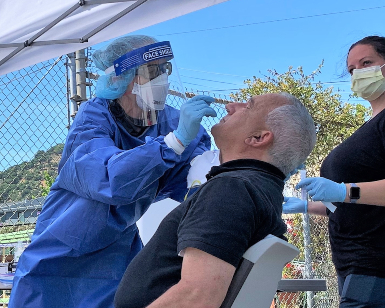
[95,168]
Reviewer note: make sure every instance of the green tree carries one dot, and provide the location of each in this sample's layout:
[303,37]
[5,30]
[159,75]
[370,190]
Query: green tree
[47,183]
[29,180]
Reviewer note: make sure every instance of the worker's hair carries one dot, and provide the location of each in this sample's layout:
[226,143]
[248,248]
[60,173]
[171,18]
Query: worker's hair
[377,42]
[294,134]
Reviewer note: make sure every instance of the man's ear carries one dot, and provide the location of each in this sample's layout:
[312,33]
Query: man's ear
[260,139]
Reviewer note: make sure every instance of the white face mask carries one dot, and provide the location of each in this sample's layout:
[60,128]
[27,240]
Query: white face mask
[152,94]
[368,82]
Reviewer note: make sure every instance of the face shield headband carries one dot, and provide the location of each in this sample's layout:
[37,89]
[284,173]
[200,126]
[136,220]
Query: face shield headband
[140,56]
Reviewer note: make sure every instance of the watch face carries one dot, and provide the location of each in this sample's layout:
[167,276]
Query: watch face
[354,193]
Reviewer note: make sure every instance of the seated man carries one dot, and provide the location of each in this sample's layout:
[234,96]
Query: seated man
[192,257]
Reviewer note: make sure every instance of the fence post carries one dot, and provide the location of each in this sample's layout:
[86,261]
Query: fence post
[308,273]
[81,74]
[72,83]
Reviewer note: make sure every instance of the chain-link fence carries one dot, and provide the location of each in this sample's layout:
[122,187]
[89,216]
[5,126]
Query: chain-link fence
[36,110]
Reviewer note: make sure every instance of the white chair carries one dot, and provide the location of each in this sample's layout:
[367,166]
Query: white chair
[256,279]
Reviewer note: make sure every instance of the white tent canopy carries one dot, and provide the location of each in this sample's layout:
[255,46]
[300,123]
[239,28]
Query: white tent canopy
[32,31]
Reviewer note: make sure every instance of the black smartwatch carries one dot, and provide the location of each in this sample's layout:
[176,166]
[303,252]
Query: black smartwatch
[354,193]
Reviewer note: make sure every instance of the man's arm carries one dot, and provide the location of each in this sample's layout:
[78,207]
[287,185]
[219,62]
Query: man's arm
[204,282]
[317,208]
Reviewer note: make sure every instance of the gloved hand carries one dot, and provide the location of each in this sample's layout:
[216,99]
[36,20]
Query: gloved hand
[294,205]
[191,114]
[200,166]
[321,189]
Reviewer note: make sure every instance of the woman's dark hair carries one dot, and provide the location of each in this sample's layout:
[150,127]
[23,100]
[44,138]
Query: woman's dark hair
[377,42]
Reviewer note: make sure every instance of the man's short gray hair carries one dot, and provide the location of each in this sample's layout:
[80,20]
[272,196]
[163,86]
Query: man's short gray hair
[294,134]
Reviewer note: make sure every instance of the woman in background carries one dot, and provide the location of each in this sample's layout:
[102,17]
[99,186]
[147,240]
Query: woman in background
[353,179]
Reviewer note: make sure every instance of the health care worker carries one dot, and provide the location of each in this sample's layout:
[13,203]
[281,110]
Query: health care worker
[353,179]
[125,150]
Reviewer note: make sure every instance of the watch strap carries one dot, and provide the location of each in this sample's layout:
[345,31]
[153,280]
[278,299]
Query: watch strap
[354,199]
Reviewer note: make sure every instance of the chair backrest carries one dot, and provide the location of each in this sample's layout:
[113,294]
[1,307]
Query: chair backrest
[256,278]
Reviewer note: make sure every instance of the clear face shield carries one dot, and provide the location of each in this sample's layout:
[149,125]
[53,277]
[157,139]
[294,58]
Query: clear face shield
[156,82]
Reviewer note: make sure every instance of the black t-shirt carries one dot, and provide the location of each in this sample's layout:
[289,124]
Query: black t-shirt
[357,231]
[239,205]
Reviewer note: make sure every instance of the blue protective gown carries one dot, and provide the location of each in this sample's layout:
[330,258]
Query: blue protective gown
[86,234]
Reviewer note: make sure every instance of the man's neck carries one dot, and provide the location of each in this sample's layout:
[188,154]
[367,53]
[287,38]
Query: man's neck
[257,155]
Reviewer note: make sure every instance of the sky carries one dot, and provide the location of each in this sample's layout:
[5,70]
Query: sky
[219,47]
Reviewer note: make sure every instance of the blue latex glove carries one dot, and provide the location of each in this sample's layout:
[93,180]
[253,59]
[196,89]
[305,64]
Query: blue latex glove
[191,114]
[321,189]
[294,205]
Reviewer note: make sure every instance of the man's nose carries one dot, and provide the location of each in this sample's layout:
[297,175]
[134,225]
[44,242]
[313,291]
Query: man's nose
[232,107]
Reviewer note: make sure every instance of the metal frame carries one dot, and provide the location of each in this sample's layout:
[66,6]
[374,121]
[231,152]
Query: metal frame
[83,39]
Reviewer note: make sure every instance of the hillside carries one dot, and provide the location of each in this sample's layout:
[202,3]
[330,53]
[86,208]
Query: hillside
[27,180]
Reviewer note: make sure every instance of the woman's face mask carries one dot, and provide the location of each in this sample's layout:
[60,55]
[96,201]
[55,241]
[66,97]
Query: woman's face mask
[368,83]
[152,95]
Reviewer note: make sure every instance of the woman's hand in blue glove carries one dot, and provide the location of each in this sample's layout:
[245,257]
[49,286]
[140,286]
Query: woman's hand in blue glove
[191,114]
[294,205]
[321,189]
